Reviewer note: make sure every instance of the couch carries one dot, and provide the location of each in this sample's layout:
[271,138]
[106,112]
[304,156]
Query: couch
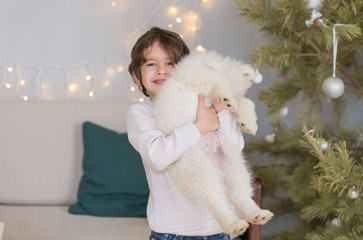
[59,179]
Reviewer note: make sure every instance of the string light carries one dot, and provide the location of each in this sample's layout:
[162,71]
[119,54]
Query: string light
[172,10]
[22,82]
[73,87]
[200,48]
[120,68]
[85,79]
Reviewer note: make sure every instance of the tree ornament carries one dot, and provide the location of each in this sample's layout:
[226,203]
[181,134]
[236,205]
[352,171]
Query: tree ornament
[284,111]
[323,145]
[336,222]
[333,87]
[258,79]
[315,16]
[353,193]
[270,138]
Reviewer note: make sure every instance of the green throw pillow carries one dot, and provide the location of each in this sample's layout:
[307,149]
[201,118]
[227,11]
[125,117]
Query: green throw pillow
[113,182]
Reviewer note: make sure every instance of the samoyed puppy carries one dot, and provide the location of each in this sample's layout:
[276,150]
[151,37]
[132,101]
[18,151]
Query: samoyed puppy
[197,173]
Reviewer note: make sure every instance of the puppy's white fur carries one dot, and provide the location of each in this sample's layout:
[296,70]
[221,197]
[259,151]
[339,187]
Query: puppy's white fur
[202,180]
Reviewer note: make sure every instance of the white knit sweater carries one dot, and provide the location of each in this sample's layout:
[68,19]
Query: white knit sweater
[169,210]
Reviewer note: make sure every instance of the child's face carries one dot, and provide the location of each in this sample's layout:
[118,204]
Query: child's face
[155,70]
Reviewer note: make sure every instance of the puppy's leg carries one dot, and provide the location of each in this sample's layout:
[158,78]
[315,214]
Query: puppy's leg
[239,187]
[246,116]
[201,181]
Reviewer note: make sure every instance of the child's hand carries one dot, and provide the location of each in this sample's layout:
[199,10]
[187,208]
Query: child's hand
[207,119]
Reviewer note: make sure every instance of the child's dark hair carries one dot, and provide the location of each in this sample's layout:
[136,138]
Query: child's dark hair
[169,41]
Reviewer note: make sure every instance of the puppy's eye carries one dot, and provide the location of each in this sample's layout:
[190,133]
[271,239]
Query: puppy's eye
[242,124]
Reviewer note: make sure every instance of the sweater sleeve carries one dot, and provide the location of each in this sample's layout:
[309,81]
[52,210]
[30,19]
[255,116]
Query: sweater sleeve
[158,150]
[230,128]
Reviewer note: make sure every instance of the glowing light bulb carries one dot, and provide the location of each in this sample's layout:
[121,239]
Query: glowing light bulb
[8,85]
[204,1]
[43,86]
[178,20]
[22,82]
[120,68]
[132,89]
[88,77]
[200,48]
[110,72]
[91,94]
[113,4]
[25,98]
[141,99]
[170,25]
[10,69]
[181,36]
[72,87]
[193,28]
[106,84]
[172,10]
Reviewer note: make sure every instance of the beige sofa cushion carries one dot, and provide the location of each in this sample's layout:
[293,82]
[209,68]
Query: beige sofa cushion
[55,223]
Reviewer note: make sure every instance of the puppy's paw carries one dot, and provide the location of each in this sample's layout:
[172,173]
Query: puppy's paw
[238,226]
[250,128]
[229,103]
[262,216]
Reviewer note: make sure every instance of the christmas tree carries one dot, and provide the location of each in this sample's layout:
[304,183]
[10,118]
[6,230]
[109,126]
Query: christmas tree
[315,47]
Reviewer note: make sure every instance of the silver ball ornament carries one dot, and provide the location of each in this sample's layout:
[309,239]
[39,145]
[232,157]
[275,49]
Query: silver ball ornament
[323,145]
[336,222]
[270,137]
[333,87]
[284,111]
[353,193]
[258,79]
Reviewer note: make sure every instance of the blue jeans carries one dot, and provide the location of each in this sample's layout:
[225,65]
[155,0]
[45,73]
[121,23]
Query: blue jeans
[166,236]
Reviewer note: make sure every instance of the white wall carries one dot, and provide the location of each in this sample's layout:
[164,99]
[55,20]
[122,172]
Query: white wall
[53,45]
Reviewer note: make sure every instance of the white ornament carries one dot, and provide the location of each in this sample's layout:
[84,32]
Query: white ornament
[333,87]
[353,193]
[270,137]
[314,3]
[315,15]
[284,111]
[258,79]
[336,222]
[323,145]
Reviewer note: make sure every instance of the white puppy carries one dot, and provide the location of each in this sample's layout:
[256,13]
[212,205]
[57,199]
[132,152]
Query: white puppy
[196,172]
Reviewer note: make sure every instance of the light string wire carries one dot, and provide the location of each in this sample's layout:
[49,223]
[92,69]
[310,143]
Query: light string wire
[64,69]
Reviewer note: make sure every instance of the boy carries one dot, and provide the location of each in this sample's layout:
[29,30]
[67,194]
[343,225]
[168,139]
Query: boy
[171,215]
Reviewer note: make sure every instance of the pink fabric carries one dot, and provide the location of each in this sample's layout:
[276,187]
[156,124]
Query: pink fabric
[212,147]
